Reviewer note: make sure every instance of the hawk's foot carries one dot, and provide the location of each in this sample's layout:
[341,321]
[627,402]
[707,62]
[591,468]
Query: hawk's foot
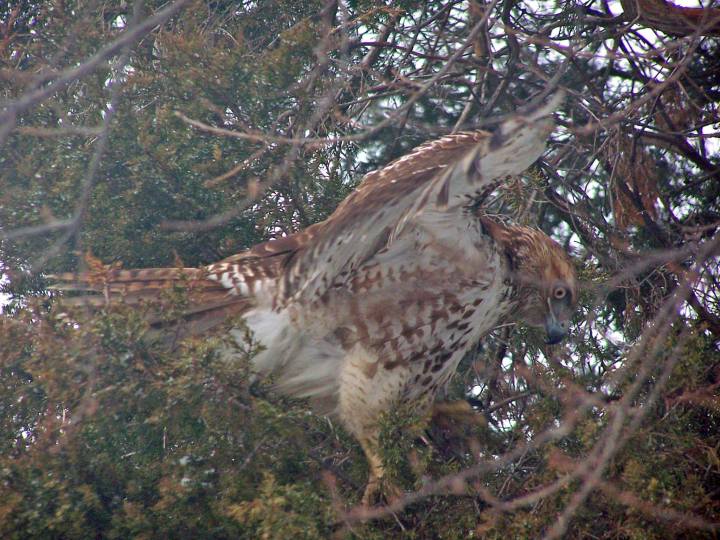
[454,427]
[455,412]
[380,490]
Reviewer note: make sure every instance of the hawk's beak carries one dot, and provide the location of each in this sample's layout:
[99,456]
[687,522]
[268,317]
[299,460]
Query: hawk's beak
[556,330]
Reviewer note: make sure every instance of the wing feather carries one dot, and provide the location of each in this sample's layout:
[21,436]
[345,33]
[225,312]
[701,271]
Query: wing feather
[428,185]
[435,179]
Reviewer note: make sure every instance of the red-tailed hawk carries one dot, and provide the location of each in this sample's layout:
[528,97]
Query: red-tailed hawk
[376,305]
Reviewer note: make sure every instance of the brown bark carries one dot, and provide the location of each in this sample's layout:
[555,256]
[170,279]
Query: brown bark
[673,19]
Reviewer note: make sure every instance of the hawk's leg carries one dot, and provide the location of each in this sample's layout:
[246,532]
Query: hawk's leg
[378,486]
[367,390]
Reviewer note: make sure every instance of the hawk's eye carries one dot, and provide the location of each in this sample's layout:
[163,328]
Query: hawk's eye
[560,292]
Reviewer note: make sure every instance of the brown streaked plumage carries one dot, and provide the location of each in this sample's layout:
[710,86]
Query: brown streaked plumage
[376,305]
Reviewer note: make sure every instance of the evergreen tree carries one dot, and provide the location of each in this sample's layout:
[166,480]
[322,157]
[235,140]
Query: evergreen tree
[150,134]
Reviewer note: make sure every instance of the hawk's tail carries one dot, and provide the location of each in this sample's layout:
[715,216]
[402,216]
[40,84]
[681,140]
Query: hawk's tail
[178,299]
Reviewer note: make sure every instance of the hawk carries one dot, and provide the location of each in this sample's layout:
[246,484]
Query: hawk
[377,305]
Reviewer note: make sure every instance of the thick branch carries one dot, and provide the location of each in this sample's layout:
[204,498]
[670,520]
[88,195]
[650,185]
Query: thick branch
[673,19]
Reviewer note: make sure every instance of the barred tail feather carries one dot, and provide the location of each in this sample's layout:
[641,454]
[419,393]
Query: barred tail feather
[209,303]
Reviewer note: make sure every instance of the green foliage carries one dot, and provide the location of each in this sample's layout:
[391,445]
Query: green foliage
[283,511]
[403,457]
[137,440]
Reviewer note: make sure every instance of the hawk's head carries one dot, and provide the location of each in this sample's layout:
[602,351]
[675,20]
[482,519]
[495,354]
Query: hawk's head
[544,276]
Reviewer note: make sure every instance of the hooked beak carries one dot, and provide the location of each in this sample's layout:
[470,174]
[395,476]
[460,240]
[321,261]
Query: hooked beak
[556,330]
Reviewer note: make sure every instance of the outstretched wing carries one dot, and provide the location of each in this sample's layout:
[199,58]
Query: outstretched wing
[435,179]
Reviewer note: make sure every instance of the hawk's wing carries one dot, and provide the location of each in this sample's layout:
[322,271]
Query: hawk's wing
[434,180]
